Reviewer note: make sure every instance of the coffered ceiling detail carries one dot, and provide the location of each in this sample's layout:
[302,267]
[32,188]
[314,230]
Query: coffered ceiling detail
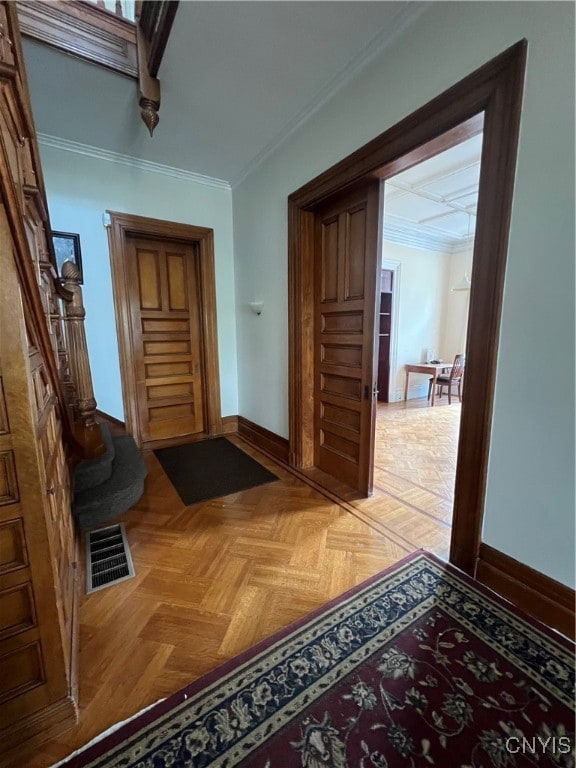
[433,204]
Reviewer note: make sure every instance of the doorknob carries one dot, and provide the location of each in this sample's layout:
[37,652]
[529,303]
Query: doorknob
[367,388]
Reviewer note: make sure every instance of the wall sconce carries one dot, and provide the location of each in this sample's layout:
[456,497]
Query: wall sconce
[257,307]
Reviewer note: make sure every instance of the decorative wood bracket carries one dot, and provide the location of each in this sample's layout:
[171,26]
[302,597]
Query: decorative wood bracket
[148,86]
[154,20]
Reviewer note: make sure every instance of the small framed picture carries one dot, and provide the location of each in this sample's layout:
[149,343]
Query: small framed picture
[67,248]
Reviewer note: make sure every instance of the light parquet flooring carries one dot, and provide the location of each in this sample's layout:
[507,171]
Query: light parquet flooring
[414,471]
[215,578]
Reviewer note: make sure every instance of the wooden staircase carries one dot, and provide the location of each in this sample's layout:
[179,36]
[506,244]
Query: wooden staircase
[49,438]
[110,477]
[109,485]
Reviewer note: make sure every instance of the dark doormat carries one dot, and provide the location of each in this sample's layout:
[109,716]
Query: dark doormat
[211,468]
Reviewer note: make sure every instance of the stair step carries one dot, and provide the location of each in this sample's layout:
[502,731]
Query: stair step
[94,472]
[119,492]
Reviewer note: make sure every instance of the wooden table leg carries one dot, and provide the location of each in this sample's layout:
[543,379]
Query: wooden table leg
[406,386]
[433,388]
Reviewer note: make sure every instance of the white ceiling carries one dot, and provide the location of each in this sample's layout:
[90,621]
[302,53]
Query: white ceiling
[236,78]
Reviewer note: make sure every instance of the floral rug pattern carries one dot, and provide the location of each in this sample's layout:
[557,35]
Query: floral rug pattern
[416,668]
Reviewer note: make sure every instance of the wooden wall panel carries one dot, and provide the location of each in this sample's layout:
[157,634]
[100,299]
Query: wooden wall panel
[8,481]
[13,554]
[20,671]
[4,423]
[17,611]
[37,540]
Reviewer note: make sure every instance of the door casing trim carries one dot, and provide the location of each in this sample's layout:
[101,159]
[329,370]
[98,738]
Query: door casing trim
[396,268]
[490,100]
[122,226]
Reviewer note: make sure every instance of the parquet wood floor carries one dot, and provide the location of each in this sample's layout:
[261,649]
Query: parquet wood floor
[414,470]
[214,578]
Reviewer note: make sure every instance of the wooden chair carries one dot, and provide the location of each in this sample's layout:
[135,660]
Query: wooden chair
[453,379]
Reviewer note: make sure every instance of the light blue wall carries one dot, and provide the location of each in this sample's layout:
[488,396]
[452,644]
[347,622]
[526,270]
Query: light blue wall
[421,281]
[79,190]
[530,497]
[530,494]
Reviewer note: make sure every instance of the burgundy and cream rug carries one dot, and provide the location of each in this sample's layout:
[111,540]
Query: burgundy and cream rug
[417,667]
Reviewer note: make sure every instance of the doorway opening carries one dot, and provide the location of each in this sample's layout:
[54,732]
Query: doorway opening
[427,248]
[490,100]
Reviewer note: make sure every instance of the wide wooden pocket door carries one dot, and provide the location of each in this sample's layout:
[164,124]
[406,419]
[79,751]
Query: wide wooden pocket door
[164,305]
[345,253]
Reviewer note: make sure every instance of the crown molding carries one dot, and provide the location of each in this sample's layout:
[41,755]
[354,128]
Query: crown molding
[133,162]
[405,15]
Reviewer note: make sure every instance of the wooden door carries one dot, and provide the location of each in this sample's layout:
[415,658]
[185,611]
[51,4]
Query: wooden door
[345,259]
[166,337]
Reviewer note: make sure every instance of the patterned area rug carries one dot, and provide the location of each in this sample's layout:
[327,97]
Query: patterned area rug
[419,666]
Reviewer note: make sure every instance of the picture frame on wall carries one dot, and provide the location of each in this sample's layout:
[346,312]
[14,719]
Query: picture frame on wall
[67,248]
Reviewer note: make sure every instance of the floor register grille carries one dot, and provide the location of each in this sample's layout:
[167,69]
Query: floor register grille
[108,558]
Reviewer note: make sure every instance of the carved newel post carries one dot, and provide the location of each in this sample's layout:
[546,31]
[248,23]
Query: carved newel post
[74,314]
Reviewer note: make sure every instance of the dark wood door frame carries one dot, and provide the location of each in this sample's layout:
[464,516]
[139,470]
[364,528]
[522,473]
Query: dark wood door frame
[124,225]
[490,100]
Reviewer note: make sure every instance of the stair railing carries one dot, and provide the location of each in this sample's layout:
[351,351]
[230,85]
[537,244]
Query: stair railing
[41,290]
[86,429]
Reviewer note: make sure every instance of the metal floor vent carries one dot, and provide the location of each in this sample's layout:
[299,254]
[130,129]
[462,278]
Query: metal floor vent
[108,559]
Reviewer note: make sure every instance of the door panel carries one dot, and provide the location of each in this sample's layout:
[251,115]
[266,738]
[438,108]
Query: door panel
[164,301]
[345,256]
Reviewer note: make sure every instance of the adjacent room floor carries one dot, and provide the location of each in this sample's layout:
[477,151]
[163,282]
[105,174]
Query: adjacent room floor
[414,471]
[214,578]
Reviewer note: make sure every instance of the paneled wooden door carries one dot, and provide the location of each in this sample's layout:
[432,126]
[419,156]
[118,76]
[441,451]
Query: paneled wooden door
[345,268]
[164,305]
